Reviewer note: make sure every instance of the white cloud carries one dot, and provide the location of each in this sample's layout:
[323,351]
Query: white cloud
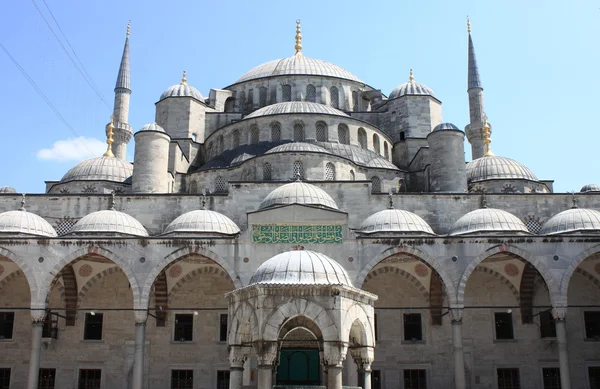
[73,149]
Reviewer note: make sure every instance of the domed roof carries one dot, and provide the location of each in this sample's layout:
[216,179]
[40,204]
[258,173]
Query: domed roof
[297,65]
[572,220]
[488,220]
[298,193]
[109,221]
[584,189]
[203,220]
[23,222]
[152,127]
[295,107]
[411,88]
[395,220]
[493,167]
[445,126]
[100,169]
[182,90]
[301,268]
[297,147]
[8,189]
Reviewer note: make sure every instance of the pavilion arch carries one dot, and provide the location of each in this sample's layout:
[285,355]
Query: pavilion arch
[243,325]
[418,254]
[304,322]
[356,323]
[24,267]
[553,289]
[574,264]
[300,307]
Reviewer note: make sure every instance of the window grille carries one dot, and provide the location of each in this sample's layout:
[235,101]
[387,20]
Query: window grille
[223,379]
[262,96]
[335,97]
[386,151]
[375,185]
[330,172]
[362,138]
[250,100]
[184,327]
[223,319]
[93,326]
[275,132]
[182,379]
[551,377]
[415,379]
[533,224]
[236,139]
[89,189]
[4,378]
[594,376]
[64,225]
[221,185]
[508,379]
[267,171]
[376,145]
[504,325]
[46,378]
[286,93]
[89,379]
[343,134]
[354,100]
[7,323]
[254,135]
[322,135]
[412,327]
[298,170]
[298,132]
[311,93]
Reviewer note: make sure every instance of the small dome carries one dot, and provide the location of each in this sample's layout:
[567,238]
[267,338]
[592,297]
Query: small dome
[298,193]
[395,220]
[295,107]
[109,221]
[182,90]
[411,88]
[488,220]
[497,168]
[23,222]
[152,127]
[203,221]
[297,147]
[100,169]
[584,189]
[301,268]
[572,220]
[446,126]
[7,189]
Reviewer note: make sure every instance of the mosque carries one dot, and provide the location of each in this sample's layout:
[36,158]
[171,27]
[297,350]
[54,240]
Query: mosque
[300,228]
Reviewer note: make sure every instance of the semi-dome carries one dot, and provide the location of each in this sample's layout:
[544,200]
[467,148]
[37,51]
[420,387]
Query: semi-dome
[23,222]
[396,221]
[584,189]
[488,220]
[411,88]
[572,220]
[297,65]
[301,267]
[203,221]
[109,221]
[182,90]
[100,169]
[8,189]
[298,193]
[152,127]
[297,147]
[493,167]
[446,127]
[296,107]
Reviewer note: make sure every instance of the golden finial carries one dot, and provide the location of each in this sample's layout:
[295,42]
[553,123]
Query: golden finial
[411,77]
[468,24]
[184,78]
[486,137]
[129,28]
[109,138]
[298,46]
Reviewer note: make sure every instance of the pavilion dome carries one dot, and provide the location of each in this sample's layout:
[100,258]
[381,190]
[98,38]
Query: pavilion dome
[23,222]
[100,169]
[301,267]
[395,221]
[109,221]
[572,220]
[488,220]
[492,167]
[290,107]
[203,221]
[298,192]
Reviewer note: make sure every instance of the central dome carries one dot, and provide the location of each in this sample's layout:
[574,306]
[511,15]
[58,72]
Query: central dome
[100,169]
[297,65]
[296,107]
[298,193]
[301,268]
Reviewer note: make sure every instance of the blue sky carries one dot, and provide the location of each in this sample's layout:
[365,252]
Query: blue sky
[538,63]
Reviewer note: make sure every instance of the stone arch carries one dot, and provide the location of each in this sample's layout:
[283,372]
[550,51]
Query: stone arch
[402,273]
[526,293]
[161,298]
[415,252]
[243,325]
[520,253]
[69,293]
[300,307]
[504,280]
[206,269]
[177,255]
[358,314]
[24,267]
[573,265]
[16,274]
[589,276]
[92,281]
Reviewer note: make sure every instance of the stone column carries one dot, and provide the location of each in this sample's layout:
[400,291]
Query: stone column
[139,354]
[363,356]
[334,376]
[237,357]
[266,352]
[560,315]
[457,348]
[334,354]
[37,325]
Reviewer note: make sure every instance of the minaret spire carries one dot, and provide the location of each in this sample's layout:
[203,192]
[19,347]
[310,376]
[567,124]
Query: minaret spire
[474,81]
[298,46]
[124,77]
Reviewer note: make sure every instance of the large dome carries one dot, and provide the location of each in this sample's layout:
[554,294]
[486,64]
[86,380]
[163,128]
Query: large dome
[572,220]
[301,268]
[109,221]
[100,169]
[23,222]
[298,147]
[497,168]
[295,107]
[203,221]
[488,220]
[395,221]
[298,193]
[297,65]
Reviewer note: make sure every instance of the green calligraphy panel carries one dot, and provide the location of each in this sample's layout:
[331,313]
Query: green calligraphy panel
[296,234]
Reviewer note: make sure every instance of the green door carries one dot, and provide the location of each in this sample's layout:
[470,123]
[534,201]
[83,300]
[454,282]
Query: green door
[298,367]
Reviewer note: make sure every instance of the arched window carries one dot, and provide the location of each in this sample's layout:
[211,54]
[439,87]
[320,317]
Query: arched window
[242,101]
[298,170]
[311,93]
[230,104]
[402,135]
[375,185]
[209,150]
[193,187]
[343,134]
[220,144]
[267,171]
[262,96]
[355,100]
[254,135]
[221,185]
[362,138]
[322,135]
[352,176]
[286,93]
[275,132]
[330,172]
[386,152]
[376,145]
[250,100]
[335,97]
[298,132]
[236,139]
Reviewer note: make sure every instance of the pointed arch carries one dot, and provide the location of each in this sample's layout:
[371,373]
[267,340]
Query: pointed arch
[574,264]
[161,299]
[205,269]
[399,272]
[24,267]
[526,291]
[243,325]
[358,314]
[300,307]
[69,293]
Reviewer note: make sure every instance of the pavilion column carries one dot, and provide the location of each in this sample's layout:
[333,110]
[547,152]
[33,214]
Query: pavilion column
[560,315]
[237,357]
[139,355]
[37,326]
[334,354]
[363,356]
[457,348]
[266,352]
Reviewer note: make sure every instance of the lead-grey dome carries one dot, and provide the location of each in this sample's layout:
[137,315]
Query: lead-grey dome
[411,88]
[152,127]
[572,220]
[297,147]
[203,221]
[446,127]
[297,65]
[298,193]
[497,168]
[395,221]
[296,107]
[488,220]
[23,222]
[182,90]
[584,189]
[100,169]
[109,222]
[301,268]
[8,189]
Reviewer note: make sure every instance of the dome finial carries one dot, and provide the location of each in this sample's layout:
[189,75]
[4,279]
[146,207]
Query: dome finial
[298,46]
[22,208]
[468,24]
[109,138]
[128,28]
[391,200]
[184,78]
[112,201]
[411,77]
[486,137]
[574,200]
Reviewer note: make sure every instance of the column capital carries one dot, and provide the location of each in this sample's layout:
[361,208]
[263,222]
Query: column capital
[141,316]
[238,355]
[334,353]
[38,311]
[559,313]
[456,314]
[363,356]
[266,351]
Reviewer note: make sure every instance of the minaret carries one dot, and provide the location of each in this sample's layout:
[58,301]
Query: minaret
[122,130]
[474,130]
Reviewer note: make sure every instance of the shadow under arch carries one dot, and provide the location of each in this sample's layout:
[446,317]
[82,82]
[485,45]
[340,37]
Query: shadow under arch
[26,269]
[574,264]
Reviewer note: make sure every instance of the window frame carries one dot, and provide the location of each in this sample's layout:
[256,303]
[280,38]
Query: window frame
[9,371]
[404,325]
[220,338]
[85,326]
[542,367]
[406,369]
[179,341]
[512,325]
[587,372]
[40,378]
[78,374]
[585,327]
[12,328]
[543,324]
[224,370]
[174,369]
[497,384]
